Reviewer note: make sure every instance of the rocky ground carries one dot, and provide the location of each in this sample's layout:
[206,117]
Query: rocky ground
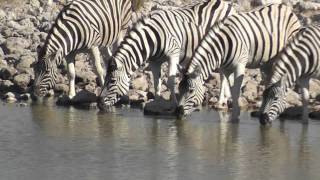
[24,26]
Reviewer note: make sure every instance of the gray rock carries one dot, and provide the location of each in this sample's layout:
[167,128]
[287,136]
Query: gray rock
[10,97]
[25,62]
[250,90]
[22,81]
[61,88]
[140,83]
[25,97]
[2,14]
[161,107]
[5,85]
[7,72]
[16,45]
[293,98]
[35,3]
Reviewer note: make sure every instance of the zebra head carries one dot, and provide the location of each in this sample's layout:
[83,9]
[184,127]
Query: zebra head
[191,91]
[273,103]
[45,70]
[117,85]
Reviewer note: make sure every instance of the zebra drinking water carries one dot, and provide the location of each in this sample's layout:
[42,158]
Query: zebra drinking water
[241,40]
[162,35]
[294,65]
[81,25]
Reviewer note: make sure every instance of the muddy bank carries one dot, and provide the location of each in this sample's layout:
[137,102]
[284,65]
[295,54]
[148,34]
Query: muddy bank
[24,26]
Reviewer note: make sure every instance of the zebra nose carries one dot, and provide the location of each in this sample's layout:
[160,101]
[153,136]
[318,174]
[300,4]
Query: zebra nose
[264,119]
[101,104]
[180,112]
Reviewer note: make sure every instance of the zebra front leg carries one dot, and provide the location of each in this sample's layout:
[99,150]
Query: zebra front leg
[97,63]
[224,91]
[305,100]
[235,85]
[173,67]
[72,77]
[156,71]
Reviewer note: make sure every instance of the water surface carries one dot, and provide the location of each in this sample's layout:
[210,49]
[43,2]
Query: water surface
[48,142]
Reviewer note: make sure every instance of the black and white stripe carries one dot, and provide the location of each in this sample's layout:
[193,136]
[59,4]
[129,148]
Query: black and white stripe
[294,65]
[81,25]
[160,36]
[242,40]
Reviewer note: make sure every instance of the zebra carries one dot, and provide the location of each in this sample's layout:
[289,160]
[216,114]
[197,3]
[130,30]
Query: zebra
[163,35]
[82,25]
[296,64]
[247,39]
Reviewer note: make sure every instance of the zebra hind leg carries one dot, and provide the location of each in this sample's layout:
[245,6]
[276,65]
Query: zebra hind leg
[173,67]
[97,60]
[224,92]
[305,100]
[235,85]
[156,72]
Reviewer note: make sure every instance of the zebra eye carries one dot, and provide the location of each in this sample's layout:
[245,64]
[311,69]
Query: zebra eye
[191,91]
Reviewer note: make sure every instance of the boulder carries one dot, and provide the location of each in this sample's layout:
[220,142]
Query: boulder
[250,90]
[160,107]
[292,113]
[140,83]
[61,88]
[293,98]
[16,45]
[22,81]
[25,97]
[6,85]
[35,3]
[2,14]
[25,62]
[10,97]
[7,72]
[314,88]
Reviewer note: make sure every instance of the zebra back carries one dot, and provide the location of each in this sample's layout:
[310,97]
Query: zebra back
[86,23]
[252,38]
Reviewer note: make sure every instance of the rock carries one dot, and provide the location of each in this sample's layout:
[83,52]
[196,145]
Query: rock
[7,73]
[15,25]
[35,3]
[293,99]
[250,90]
[161,107]
[2,14]
[243,103]
[25,62]
[140,83]
[25,97]
[22,81]
[10,97]
[6,85]
[84,96]
[292,113]
[61,88]
[23,104]
[1,52]
[314,88]
[16,45]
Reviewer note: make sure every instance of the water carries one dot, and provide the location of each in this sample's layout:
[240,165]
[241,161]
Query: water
[49,142]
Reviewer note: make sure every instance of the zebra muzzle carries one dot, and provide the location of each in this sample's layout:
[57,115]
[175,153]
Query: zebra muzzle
[264,119]
[102,105]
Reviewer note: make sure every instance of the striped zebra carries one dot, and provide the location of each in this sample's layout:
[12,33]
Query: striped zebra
[243,40]
[81,26]
[296,64]
[163,35]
